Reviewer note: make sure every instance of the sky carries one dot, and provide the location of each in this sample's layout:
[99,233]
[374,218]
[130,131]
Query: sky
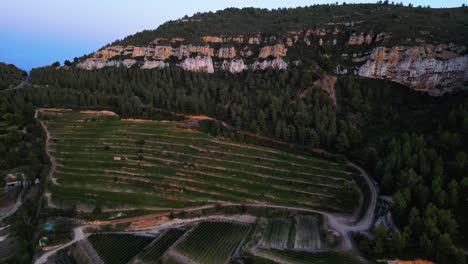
[35,33]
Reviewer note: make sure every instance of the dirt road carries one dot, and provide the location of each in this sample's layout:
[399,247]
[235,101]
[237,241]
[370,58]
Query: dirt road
[78,235]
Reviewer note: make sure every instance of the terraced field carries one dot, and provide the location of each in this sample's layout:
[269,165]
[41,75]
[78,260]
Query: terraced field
[109,162]
[299,257]
[307,233]
[212,242]
[118,248]
[277,233]
[154,251]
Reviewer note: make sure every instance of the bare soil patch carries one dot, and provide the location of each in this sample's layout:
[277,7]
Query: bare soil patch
[101,112]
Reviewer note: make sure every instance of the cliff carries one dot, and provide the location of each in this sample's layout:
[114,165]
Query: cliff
[365,45]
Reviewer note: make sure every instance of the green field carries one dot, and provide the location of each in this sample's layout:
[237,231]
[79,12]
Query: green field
[307,235]
[213,242]
[165,165]
[277,233]
[118,248]
[154,251]
[301,257]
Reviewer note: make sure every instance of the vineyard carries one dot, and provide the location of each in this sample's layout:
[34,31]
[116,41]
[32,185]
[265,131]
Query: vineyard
[118,248]
[298,233]
[300,257]
[166,165]
[307,233]
[154,251]
[277,233]
[213,242]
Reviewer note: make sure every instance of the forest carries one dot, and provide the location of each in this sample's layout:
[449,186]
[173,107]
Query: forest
[10,76]
[401,136]
[402,21]
[412,144]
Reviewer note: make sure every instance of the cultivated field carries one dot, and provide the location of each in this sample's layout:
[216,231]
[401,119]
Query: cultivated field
[154,251]
[299,257]
[212,242]
[307,235]
[104,161]
[118,248]
[277,233]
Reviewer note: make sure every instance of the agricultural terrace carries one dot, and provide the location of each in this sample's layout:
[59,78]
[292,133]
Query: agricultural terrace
[298,233]
[277,233]
[301,257]
[212,242]
[118,248]
[154,251]
[104,161]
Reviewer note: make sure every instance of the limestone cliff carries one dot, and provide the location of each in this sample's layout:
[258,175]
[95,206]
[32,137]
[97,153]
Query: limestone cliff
[435,69]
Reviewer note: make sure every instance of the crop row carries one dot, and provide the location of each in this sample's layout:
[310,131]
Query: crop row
[213,242]
[118,248]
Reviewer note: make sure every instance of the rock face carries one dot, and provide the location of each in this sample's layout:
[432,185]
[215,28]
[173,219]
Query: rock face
[198,64]
[154,65]
[274,51]
[234,66]
[432,69]
[276,64]
[227,53]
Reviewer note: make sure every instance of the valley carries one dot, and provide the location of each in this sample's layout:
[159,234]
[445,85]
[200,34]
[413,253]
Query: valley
[332,133]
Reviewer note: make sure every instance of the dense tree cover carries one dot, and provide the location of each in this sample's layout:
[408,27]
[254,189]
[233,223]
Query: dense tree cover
[423,169]
[428,177]
[21,149]
[284,105]
[20,136]
[403,22]
[10,76]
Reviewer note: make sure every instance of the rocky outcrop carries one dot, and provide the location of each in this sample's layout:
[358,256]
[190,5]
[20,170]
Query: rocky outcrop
[198,64]
[223,39]
[434,69]
[276,64]
[274,51]
[227,53]
[154,65]
[96,64]
[162,52]
[234,66]
[355,39]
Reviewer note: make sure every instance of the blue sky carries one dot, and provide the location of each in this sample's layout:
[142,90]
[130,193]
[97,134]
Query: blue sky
[34,33]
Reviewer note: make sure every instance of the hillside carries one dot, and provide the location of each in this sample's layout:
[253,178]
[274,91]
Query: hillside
[418,47]
[383,86]
[10,76]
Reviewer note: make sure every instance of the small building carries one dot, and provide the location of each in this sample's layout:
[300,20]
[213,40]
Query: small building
[118,158]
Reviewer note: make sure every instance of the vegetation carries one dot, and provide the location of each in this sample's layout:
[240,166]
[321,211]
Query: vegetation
[277,233]
[118,248]
[307,233]
[213,242]
[154,251]
[403,22]
[299,257]
[178,167]
[10,76]
[414,145]
[21,150]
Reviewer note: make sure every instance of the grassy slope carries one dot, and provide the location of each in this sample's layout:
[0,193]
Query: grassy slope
[167,166]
